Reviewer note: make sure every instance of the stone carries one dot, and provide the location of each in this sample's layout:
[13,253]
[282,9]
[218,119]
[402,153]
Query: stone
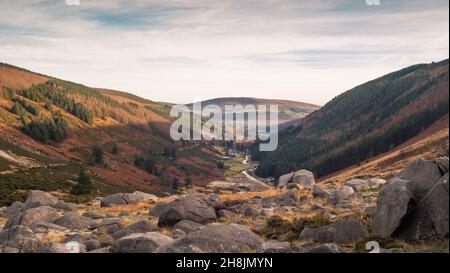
[341,232]
[250,211]
[94,215]
[140,243]
[126,198]
[146,196]
[422,174]
[61,205]
[38,199]
[178,233]
[443,164]
[12,210]
[325,248]
[215,238]
[304,178]
[142,226]
[226,214]
[318,192]
[157,209]
[358,184]
[342,193]
[370,211]
[284,180]
[69,247]
[395,200]
[109,225]
[375,183]
[187,226]
[92,244]
[192,208]
[34,216]
[73,221]
[18,239]
[274,247]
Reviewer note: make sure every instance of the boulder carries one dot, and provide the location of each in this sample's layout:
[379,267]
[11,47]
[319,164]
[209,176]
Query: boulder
[429,218]
[94,215]
[370,211]
[92,244]
[226,214]
[193,208]
[250,211]
[358,184]
[304,178]
[142,226]
[34,216]
[443,164]
[178,233]
[126,198]
[12,210]
[375,183]
[70,247]
[342,193]
[187,226]
[109,225]
[140,243]
[61,205]
[18,239]
[38,199]
[215,238]
[395,199]
[146,196]
[284,180]
[274,247]
[157,209]
[342,232]
[318,192]
[325,248]
[422,174]
[73,221]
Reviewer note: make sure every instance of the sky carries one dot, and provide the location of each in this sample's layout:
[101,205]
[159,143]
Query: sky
[180,51]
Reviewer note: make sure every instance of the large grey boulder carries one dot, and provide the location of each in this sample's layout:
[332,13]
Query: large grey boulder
[342,193]
[157,209]
[140,243]
[38,199]
[304,178]
[194,208]
[395,199]
[215,238]
[342,232]
[33,216]
[429,219]
[118,199]
[358,184]
[73,221]
[61,205]
[109,225]
[422,174]
[70,247]
[284,180]
[187,226]
[12,210]
[274,247]
[376,182]
[142,226]
[443,164]
[18,239]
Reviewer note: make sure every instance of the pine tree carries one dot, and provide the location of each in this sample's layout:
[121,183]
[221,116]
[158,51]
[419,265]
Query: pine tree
[84,185]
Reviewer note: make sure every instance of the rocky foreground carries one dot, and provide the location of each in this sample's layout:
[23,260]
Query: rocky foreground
[408,213]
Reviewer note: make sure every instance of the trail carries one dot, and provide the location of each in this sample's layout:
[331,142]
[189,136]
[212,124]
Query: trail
[250,177]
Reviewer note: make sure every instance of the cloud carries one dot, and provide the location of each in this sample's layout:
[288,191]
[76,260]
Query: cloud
[176,50]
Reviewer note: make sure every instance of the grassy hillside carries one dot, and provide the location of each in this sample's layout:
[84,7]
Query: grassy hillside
[363,122]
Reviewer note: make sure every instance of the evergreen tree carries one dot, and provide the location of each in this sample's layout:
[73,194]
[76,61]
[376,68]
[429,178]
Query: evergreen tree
[84,185]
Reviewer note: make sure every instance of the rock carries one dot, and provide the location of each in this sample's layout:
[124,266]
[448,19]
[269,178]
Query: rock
[70,247]
[187,226]
[304,178]
[422,174]
[326,248]
[250,211]
[34,216]
[280,200]
[370,211]
[284,180]
[342,232]
[215,238]
[126,198]
[140,243]
[142,226]
[12,210]
[343,193]
[73,221]
[101,250]
[192,208]
[226,214]
[94,215]
[318,192]
[61,205]
[429,218]
[375,183]
[274,247]
[47,228]
[288,236]
[18,239]
[109,226]
[214,201]
[38,199]
[394,201]
[290,194]
[107,241]
[157,209]
[358,184]
[443,164]
[92,244]
[178,233]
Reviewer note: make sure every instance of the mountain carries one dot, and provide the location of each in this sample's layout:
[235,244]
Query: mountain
[361,123]
[49,127]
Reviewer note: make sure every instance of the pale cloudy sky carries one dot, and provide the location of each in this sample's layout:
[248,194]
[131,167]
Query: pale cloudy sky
[178,50]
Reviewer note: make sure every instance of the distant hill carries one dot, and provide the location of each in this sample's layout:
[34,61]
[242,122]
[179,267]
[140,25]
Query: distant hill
[361,123]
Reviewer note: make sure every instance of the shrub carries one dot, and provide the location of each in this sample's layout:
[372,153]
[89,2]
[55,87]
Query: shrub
[84,185]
